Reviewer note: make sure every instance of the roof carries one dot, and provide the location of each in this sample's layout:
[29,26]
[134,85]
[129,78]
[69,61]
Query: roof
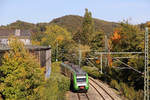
[4,48]
[78,70]
[10,32]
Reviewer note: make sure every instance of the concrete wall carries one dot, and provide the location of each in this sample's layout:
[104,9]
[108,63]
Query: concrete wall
[44,58]
[48,63]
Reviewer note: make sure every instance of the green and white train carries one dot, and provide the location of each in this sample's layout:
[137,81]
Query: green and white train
[78,77]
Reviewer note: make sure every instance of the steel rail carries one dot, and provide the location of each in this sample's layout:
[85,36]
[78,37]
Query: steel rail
[97,91]
[102,89]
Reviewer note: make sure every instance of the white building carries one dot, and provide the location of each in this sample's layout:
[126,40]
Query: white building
[23,35]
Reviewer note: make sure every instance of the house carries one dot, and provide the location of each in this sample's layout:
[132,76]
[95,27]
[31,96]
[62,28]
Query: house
[23,35]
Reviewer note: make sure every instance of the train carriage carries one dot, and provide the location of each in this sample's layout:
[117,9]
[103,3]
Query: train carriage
[78,77]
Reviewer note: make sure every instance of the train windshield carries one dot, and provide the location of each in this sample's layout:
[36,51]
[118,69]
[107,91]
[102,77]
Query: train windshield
[81,79]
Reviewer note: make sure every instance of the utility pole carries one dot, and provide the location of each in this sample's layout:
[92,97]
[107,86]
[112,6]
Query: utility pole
[57,51]
[106,50]
[101,66]
[146,70]
[80,55]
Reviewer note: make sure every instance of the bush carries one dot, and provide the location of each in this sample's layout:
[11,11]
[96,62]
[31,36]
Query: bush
[114,84]
[139,95]
[92,71]
[20,74]
[128,92]
[105,78]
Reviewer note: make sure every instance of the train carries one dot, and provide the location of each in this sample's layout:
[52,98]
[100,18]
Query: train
[78,77]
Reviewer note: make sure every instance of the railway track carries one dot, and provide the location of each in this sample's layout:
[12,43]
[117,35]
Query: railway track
[83,96]
[97,91]
[105,95]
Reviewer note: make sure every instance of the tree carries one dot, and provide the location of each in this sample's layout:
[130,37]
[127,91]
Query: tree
[85,34]
[20,74]
[128,38]
[87,26]
[97,42]
[55,36]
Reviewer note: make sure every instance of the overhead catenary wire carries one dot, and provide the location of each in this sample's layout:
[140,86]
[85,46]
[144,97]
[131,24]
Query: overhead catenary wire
[130,66]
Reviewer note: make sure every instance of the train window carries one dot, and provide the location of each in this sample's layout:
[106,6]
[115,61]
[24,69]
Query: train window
[81,79]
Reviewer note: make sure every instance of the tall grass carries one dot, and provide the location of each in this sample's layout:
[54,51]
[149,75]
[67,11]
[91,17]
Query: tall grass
[56,86]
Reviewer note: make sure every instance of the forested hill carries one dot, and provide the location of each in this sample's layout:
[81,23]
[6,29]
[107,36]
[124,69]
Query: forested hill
[19,25]
[74,22]
[71,22]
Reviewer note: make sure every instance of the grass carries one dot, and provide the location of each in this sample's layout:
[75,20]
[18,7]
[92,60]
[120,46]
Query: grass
[56,86]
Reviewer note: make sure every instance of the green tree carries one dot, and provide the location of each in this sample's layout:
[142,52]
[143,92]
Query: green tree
[20,74]
[85,34]
[97,42]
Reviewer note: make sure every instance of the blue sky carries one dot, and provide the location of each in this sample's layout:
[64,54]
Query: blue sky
[34,11]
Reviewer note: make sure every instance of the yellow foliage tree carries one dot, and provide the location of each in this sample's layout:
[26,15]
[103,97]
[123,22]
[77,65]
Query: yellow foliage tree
[20,74]
[55,34]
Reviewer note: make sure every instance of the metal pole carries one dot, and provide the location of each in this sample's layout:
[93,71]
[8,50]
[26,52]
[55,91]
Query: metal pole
[106,50]
[80,55]
[146,71]
[80,58]
[101,63]
[57,51]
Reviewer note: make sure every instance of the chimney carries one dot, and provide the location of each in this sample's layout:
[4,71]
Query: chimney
[17,32]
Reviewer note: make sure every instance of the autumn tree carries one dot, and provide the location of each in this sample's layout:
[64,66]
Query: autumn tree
[129,38]
[126,38]
[55,36]
[20,74]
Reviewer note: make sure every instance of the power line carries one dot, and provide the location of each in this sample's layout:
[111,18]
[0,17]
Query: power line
[128,66]
[119,52]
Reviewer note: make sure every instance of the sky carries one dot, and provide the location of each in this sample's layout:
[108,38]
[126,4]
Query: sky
[35,11]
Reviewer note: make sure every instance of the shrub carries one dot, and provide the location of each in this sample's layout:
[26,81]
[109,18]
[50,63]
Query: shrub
[114,84]
[92,71]
[139,95]
[128,92]
[105,78]
[20,74]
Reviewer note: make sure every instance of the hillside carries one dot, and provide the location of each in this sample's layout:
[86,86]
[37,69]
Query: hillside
[19,25]
[73,22]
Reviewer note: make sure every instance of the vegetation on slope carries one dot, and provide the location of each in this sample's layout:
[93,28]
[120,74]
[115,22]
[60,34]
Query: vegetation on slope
[73,23]
[56,86]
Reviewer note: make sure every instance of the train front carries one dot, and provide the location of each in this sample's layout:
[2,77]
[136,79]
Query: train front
[81,83]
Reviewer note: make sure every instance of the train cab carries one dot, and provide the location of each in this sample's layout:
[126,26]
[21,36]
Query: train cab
[81,82]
